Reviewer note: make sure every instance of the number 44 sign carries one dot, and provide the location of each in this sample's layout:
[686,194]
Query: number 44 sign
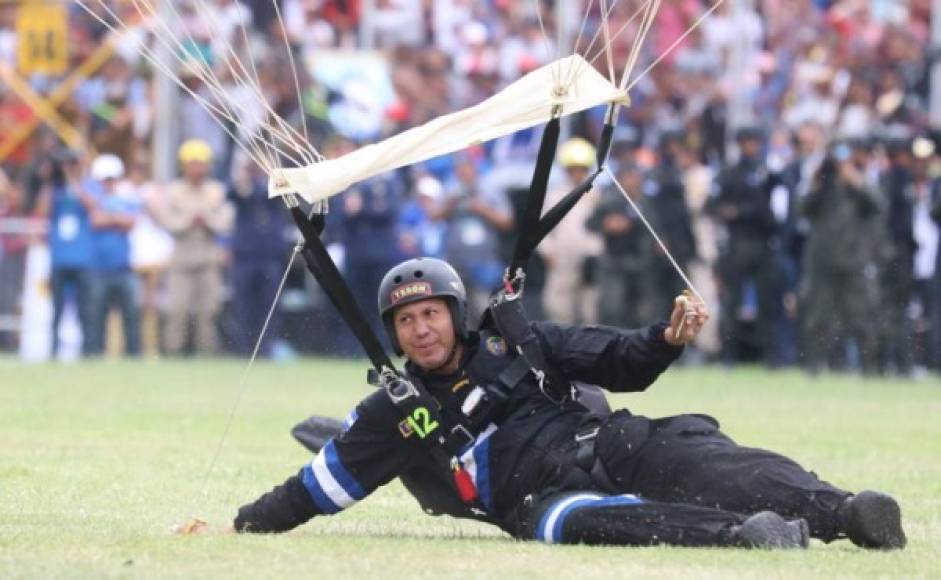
[42,33]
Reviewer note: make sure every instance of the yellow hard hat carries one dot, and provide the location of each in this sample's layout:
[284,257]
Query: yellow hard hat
[195,150]
[577,152]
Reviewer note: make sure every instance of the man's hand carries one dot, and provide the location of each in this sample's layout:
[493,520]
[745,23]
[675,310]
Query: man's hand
[688,317]
[197,527]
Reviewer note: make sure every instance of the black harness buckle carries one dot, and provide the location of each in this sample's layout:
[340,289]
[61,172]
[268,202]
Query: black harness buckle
[398,387]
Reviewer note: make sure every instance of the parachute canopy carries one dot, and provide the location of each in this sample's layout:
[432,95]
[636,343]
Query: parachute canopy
[531,100]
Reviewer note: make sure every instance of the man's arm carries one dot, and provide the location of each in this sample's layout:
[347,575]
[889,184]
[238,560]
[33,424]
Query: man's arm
[366,456]
[617,360]
[622,360]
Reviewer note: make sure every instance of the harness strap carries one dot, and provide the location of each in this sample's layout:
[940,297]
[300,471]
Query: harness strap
[527,242]
[535,227]
[323,268]
[514,374]
[510,318]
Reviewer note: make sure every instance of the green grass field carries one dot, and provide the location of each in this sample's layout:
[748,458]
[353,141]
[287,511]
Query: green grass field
[98,461]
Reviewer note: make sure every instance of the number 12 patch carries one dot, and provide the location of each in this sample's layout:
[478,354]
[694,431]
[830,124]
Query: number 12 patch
[419,422]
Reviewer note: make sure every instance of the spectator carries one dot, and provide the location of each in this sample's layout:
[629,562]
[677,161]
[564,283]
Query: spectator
[118,114]
[114,284]
[926,235]
[197,215]
[260,245]
[365,223]
[571,250]
[839,291]
[475,217]
[419,234]
[625,287]
[697,183]
[12,256]
[665,189]
[151,249]
[741,202]
[66,203]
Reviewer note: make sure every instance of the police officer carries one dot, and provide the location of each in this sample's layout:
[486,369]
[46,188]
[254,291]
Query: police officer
[895,257]
[741,201]
[625,288]
[839,284]
[666,196]
[541,466]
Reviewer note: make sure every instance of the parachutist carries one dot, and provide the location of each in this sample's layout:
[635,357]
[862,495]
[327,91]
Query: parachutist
[555,469]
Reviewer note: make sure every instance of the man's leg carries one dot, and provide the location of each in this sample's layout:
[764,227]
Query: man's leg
[627,520]
[686,459]
[128,301]
[180,295]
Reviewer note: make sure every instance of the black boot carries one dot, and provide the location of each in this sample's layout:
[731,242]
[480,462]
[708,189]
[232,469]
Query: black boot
[872,519]
[768,530]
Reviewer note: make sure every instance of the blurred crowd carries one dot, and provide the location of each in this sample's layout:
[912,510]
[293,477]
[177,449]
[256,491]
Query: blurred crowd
[783,153]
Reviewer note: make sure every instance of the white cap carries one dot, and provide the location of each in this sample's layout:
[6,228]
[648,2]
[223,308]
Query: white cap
[107,166]
[474,33]
[429,186]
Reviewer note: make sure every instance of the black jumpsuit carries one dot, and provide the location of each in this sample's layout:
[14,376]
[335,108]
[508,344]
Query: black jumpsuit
[675,480]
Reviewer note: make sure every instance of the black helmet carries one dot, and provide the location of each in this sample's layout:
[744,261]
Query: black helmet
[420,279]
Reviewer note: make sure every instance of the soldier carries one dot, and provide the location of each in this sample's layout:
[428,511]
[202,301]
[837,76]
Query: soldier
[838,287]
[666,194]
[196,213]
[570,250]
[741,201]
[896,258]
[625,287]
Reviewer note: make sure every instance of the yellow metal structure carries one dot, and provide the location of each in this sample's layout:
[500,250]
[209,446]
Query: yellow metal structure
[42,35]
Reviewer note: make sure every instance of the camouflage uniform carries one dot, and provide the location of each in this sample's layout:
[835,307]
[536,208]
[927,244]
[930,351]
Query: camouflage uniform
[839,289]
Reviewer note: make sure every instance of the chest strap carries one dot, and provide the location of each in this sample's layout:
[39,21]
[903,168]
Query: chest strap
[443,439]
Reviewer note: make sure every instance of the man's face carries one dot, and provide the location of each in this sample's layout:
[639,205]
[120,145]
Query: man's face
[577,173]
[195,171]
[751,148]
[425,332]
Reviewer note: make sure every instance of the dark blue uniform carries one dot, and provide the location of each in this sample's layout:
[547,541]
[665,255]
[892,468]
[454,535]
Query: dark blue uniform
[645,480]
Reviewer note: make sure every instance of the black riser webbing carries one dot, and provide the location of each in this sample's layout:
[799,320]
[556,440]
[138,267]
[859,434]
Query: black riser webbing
[561,209]
[527,242]
[325,271]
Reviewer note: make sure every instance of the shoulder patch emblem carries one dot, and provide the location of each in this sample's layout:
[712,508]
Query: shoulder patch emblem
[496,346]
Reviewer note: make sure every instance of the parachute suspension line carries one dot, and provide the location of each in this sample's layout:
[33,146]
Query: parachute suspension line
[284,132]
[297,80]
[527,241]
[213,110]
[221,109]
[250,80]
[676,43]
[663,247]
[607,39]
[243,79]
[229,103]
[255,81]
[163,33]
[607,47]
[646,23]
[537,5]
[569,79]
[243,379]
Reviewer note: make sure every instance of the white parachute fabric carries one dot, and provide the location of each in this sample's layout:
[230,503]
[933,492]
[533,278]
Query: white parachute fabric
[529,101]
